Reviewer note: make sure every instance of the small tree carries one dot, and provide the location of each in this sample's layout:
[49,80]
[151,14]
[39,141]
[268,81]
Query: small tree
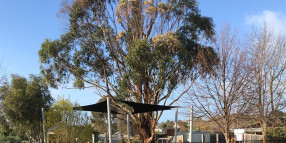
[183,126]
[268,52]
[222,96]
[67,124]
[4,125]
[22,103]
[168,125]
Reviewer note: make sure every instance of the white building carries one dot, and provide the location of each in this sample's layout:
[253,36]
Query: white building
[197,136]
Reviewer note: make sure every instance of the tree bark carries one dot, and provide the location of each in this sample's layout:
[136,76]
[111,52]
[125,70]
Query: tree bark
[264,127]
[146,127]
[226,136]
[29,137]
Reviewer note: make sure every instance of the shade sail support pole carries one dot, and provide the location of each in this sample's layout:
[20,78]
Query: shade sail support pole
[176,125]
[43,118]
[128,127]
[109,120]
[191,124]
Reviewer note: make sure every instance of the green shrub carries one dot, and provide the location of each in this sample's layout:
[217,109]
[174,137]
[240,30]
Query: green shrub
[10,139]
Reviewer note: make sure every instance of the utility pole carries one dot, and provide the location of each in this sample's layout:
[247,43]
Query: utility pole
[92,137]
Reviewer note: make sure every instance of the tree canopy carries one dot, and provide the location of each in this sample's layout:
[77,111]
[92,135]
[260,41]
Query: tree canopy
[22,103]
[4,125]
[222,97]
[136,50]
[67,124]
[268,52]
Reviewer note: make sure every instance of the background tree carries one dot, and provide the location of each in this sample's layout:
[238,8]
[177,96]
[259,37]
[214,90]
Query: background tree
[135,50]
[168,125]
[183,126]
[121,125]
[100,125]
[268,51]
[223,96]
[2,76]
[278,133]
[68,124]
[4,125]
[23,100]
[204,125]
[99,120]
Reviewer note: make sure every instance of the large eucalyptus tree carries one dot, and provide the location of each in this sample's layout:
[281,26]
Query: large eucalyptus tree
[136,50]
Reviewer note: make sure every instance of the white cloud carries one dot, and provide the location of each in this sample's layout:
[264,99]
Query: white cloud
[273,20]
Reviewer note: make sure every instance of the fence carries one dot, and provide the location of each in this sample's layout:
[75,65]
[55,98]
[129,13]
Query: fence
[252,137]
[219,138]
[247,138]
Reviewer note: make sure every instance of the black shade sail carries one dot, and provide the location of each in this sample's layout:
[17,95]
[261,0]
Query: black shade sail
[137,107]
[98,107]
[142,108]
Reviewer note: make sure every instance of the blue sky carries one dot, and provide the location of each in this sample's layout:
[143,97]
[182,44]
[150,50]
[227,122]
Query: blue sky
[24,24]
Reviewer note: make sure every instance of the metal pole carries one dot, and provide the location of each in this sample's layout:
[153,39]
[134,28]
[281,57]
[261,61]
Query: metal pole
[43,118]
[128,128]
[191,124]
[176,124]
[109,120]
[92,138]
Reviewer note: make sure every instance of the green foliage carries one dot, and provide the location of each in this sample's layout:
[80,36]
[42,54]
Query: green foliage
[133,141]
[183,126]
[4,124]
[139,51]
[278,133]
[10,139]
[86,51]
[167,125]
[22,104]
[67,124]
[99,121]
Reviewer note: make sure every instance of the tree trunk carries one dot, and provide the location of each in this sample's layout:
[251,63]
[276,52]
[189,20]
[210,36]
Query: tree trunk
[226,136]
[146,127]
[29,137]
[264,128]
